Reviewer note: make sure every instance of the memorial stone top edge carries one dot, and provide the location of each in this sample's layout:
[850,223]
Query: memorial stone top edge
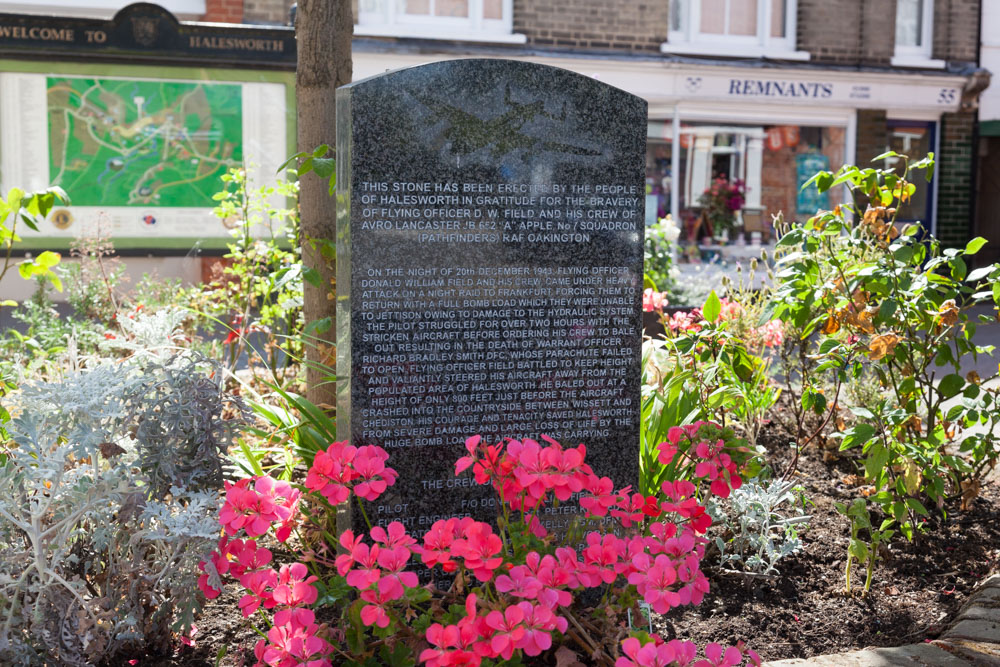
[430,68]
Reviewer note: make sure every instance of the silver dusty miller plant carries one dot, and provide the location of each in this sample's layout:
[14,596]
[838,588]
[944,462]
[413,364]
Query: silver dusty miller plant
[757,530]
[109,493]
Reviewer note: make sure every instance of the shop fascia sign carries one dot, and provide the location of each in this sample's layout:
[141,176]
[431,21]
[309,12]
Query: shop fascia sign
[859,92]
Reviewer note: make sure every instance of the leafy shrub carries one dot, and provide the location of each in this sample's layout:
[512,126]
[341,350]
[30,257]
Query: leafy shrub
[660,245]
[102,525]
[757,532]
[92,282]
[260,287]
[708,367]
[884,300]
[867,552]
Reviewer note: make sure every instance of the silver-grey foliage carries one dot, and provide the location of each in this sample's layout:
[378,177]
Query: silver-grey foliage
[109,493]
[758,531]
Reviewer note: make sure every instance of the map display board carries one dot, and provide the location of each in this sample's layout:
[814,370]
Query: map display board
[141,155]
[120,142]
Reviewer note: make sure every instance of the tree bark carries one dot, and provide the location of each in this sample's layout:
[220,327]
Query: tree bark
[323,30]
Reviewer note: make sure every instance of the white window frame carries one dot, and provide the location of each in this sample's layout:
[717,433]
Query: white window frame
[918,56]
[390,21]
[690,40]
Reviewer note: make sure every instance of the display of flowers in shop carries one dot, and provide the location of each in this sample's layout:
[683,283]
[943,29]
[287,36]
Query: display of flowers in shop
[720,202]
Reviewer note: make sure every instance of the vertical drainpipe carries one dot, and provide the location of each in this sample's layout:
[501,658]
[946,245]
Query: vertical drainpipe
[974,161]
[676,185]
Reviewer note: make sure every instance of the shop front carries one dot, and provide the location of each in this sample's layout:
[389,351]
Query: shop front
[729,146]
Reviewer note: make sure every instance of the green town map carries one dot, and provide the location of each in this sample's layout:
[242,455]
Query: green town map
[116,142]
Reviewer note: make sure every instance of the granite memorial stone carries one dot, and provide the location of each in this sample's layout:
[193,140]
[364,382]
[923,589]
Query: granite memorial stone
[489,257]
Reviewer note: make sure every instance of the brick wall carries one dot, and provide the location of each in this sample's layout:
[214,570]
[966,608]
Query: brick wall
[268,12]
[872,136]
[847,32]
[627,25]
[954,171]
[956,26]
[223,11]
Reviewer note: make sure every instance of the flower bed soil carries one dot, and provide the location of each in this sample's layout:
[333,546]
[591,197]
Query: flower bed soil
[800,613]
[803,612]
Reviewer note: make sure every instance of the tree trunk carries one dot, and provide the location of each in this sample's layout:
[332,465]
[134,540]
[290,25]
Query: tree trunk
[323,30]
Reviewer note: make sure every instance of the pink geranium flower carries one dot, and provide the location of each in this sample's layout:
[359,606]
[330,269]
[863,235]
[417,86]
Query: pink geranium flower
[295,586]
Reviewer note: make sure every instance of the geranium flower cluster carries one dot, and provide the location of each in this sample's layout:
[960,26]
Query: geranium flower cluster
[341,467]
[696,451]
[676,653]
[772,334]
[521,603]
[653,300]
[254,506]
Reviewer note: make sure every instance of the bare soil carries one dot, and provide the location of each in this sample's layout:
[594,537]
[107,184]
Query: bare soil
[804,612]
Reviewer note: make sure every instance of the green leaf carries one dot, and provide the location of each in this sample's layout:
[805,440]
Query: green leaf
[824,182]
[324,167]
[319,327]
[742,365]
[883,156]
[858,549]
[712,308]
[312,277]
[647,282]
[878,457]
[863,413]
[979,273]
[951,384]
[294,158]
[973,246]
[828,345]
[858,434]
[48,259]
[14,197]
[915,505]
[886,309]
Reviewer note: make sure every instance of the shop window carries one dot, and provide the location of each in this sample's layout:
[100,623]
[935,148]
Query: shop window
[914,139]
[769,163]
[749,28]
[915,34]
[474,20]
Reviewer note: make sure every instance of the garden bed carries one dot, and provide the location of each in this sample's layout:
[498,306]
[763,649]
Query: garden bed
[803,612]
[800,613]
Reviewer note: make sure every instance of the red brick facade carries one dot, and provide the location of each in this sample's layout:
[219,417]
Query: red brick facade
[223,11]
[626,25]
[841,32]
[846,32]
[838,33]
